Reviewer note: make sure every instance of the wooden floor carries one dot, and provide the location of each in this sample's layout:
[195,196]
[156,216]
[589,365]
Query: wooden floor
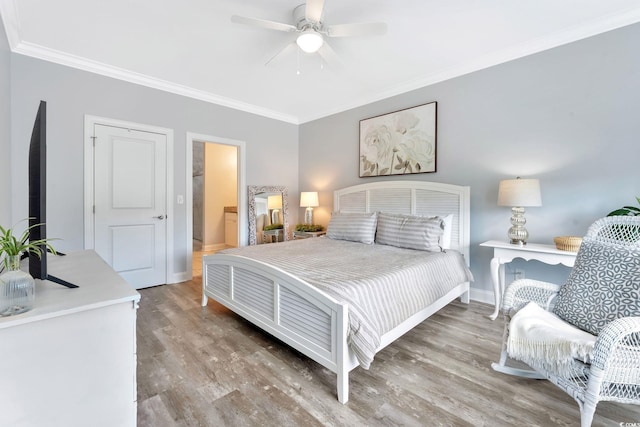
[207,367]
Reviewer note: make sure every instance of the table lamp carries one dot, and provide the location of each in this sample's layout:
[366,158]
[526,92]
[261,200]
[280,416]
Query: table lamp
[519,193]
[308,199]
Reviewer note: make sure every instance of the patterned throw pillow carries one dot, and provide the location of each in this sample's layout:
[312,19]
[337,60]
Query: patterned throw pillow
[356,227]
[603,286]
[408,231]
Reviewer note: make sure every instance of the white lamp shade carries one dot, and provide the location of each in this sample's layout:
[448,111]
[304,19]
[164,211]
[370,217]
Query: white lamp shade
[309,199]
[519,192]
[310,41]
[274,202]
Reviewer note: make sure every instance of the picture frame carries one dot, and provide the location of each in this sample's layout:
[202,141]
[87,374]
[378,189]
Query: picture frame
[399,143]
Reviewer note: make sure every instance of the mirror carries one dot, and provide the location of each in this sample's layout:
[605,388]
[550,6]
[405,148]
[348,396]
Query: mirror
[268,206]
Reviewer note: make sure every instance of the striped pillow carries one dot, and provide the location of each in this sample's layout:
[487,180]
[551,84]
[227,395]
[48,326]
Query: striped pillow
[408,231]
[445,239]
[356,227]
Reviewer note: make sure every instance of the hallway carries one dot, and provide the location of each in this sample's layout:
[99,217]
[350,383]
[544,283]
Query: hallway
[196,263]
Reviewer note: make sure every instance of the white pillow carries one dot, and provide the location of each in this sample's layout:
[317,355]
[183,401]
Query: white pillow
[445,240]
[355,227]
[409,231]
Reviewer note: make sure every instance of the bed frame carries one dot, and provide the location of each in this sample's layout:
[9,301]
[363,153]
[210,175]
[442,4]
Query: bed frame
[308,319]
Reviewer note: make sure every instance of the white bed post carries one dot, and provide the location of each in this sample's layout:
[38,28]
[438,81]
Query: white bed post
[464,298]
[205,298]
[343,355]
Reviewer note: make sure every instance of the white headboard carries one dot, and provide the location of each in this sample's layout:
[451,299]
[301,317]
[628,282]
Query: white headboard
[412,198]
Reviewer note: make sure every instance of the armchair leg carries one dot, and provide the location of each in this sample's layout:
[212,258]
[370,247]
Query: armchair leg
[524,373]
[586,415]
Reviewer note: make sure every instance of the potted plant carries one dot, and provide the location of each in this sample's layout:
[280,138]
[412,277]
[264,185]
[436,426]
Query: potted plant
[309,227]
[627,210]
[273,227]
[17,287]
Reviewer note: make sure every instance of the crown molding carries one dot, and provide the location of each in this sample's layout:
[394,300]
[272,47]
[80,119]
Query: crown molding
[9,15]
[77,62]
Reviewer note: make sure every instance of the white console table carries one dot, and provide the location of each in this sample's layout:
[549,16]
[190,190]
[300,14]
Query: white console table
[504,252]
[71,360]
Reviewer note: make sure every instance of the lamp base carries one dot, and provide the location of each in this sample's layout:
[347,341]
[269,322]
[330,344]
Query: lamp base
[517,233]
[308,216]
[275,216]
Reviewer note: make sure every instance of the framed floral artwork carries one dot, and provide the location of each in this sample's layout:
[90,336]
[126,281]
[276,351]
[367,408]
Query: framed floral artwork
[399,143]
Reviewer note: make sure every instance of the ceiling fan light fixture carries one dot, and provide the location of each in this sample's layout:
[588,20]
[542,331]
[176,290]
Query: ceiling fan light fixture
[310,41]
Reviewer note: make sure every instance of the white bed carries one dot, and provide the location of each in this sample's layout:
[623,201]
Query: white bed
[313,321]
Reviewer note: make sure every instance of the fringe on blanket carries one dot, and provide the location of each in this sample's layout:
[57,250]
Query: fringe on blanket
[555,357]
[544,341]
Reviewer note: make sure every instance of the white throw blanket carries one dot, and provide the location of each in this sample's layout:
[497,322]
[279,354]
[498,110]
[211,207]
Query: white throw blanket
[540,338]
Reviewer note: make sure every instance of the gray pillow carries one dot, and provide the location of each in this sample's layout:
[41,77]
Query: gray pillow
[409,231]
[603,286]
[356,227]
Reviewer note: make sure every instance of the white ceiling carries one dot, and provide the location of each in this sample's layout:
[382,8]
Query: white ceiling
[190,47]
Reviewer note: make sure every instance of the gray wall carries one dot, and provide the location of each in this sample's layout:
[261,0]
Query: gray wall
[567,116]
[5,130]
[271,145]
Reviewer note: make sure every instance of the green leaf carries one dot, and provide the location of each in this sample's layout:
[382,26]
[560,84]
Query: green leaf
[617,212]
[12,245]
[626,210]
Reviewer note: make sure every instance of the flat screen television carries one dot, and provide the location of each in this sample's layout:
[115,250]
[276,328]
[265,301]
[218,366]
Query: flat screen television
[38,197]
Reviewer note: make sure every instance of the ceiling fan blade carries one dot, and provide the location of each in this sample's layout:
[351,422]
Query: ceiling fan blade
[313,10]
[330,57]
[263,23]
[364,29]
[285,50]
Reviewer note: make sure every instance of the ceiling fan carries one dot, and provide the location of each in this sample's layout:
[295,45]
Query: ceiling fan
[311,30]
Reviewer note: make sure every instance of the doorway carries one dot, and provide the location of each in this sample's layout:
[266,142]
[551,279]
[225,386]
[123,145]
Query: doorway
[215,196]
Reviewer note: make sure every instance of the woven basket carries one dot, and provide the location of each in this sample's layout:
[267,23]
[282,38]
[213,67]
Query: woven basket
[568,243]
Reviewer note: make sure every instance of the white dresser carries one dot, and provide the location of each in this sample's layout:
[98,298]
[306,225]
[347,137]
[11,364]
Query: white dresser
[71,360]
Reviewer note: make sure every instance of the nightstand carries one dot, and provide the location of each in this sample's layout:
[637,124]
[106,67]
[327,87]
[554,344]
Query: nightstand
[504,252]
[307,234]
[268,235]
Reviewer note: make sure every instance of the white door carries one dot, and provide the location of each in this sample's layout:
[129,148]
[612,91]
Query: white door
[130,173]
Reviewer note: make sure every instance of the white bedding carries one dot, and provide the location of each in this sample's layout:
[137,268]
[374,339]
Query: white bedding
[383,285]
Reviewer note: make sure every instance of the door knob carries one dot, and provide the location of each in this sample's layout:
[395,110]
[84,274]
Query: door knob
[159,216]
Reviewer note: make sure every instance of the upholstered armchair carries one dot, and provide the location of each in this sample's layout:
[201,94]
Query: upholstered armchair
[583,336]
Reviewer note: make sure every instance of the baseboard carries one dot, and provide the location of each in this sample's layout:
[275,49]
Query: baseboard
[482,295]
[214,247]
[179,277]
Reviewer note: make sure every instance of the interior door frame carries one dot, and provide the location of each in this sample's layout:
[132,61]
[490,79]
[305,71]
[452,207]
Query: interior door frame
[243,221]
[89,224]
